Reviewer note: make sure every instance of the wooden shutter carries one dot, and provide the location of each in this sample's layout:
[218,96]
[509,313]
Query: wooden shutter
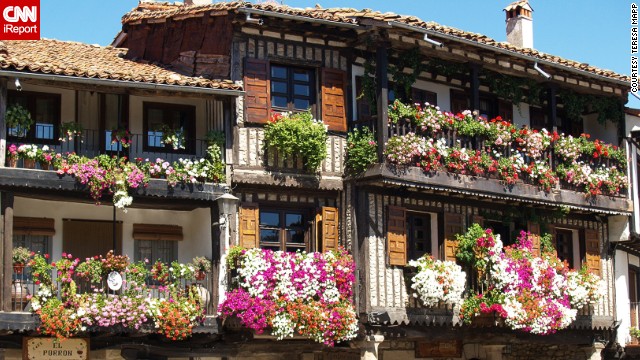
[592,250]
[397,235]
[452,226]
[87,238]
[505,110]
[477,219]
[157,232]
[534,229]
[257,91]
[330,219]
[33,226]
[249,226]
[334,111]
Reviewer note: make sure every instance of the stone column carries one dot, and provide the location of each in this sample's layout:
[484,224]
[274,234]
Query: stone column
[369,347]
[595,352]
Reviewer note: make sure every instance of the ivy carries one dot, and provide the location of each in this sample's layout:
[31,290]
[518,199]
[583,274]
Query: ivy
[607,107]
[514,89]
[369,86]
[447,69]
[402,81]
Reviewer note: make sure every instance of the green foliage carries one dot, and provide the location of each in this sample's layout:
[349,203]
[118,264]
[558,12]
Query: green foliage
[215,137]
[233,256]
[607,107]
[369,86]
[546,244]
[298,134]
[466,246]
[514,89]
[634,332]
[447,68]
[361,151]
[402,81]
[399,110]
[20,255]
[19,118]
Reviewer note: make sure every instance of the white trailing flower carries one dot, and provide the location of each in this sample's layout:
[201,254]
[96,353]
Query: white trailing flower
[437,281]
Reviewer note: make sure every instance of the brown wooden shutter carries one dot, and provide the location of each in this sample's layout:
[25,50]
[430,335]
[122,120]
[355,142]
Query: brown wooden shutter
[33,226]
[157,232]
[592,250]
[249,226]
[87,238]
[334,111]
[397,235]
[257,91]
[534,229]
[452,226]
[330,230]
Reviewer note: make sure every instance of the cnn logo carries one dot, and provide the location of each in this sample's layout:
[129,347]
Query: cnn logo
[20,20]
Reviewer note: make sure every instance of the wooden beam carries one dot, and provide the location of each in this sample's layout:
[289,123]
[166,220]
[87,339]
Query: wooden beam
[475,86]
[3,123]
[382,94]
[7,248]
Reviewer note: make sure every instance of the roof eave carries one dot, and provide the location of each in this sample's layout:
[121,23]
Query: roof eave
[122,83]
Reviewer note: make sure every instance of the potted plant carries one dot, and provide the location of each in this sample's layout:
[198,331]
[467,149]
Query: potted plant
[122,136]
[19,120]
[172,137]
[44,157]
[634,332]
[20,257]
[12,155]
[70,130]
[437,281]
[202,266]
[29,155]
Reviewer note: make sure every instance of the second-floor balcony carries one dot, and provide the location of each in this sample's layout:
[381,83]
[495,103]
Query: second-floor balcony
[467,153]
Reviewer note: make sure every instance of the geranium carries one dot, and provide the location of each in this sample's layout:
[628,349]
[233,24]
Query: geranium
[541,174]
[29,152]
[308,294]
[437,281]
[406,149]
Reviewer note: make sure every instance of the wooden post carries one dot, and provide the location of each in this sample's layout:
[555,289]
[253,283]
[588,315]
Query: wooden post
[215,258]
[3,123]
[7,248]
[475,87]
[382,98]
[553,107]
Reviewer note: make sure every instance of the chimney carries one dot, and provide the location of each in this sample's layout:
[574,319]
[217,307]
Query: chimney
[520,24]
[197,2]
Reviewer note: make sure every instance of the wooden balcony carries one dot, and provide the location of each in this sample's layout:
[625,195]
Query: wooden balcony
[254,164]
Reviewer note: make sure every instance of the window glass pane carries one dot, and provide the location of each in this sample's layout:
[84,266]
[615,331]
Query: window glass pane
[294,249]
[269,236]
[154,139]
[295,236]
[279,86]
[293,220]
[301,104]
[301,75]
[279,101]
[279,72]
[301,90]
[44,131]
[115,146]
[45,111]
[269,219]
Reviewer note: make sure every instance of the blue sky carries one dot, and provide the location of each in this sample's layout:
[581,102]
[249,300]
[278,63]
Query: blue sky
[591,31]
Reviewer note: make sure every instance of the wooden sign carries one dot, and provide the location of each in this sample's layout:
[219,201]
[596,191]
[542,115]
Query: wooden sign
[54,349]
[435,349]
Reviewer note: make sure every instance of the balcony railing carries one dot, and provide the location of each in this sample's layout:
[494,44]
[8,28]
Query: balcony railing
[23,286]
[96,142]
[452,140]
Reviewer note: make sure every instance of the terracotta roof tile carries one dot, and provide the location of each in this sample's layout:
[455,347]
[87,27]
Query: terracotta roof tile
[349,15]
[93,61]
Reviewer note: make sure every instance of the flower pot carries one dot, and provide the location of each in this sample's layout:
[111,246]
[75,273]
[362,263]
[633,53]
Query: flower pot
[29,164]
[18,268]
[487,320]
[200,275]
[13,162]
[44,166]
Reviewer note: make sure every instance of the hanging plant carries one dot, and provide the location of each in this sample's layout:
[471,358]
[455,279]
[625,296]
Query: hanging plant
[19,119]
[70,130]
[447,69]
[369,86]
[514,89]
[574,104]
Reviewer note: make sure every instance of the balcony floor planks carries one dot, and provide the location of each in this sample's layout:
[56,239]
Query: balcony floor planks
[384,174]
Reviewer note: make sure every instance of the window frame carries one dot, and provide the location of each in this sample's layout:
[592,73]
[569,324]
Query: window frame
[190,137]
[571,246]
[412,252]
[31,99]
[291,82]
[282,228]
[105,132]
[137,246]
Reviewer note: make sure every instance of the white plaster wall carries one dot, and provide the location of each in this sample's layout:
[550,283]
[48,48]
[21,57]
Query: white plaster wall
[623,312]
[196,224]
[521,115]
[606,132]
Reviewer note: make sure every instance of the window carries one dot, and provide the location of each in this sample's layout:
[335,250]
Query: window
[564,245]
[45,112]
[283,230]
[502,229]
[538,118]
[292,88]
[419,234]
[159,119]
[36,243]
[459,101]
[154,250]
[423,96]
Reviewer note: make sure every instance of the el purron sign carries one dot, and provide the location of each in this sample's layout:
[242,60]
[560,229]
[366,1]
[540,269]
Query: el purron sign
[35,348]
